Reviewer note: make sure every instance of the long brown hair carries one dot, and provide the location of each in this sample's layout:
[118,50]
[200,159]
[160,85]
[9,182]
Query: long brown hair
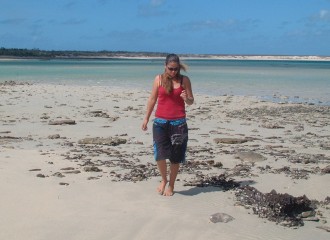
[166,79]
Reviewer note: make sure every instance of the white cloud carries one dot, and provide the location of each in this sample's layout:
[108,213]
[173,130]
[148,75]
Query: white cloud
[322,18]
[324,15]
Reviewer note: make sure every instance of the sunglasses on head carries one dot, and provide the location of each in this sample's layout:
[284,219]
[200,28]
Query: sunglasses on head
[173,69]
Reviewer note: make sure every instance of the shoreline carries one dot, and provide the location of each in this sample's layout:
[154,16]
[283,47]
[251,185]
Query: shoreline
[184,57]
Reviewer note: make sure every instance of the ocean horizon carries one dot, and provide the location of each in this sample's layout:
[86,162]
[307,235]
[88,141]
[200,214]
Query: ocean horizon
[272,80]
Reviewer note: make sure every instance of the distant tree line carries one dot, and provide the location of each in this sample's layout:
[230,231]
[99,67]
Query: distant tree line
[36,53]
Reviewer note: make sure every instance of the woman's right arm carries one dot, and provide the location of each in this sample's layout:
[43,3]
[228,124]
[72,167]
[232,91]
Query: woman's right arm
[151,103]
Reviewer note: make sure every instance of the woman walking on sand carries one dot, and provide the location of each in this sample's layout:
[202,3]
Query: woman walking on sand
[170,132]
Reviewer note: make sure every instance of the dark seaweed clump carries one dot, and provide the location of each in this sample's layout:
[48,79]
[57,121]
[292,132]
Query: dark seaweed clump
[280,208]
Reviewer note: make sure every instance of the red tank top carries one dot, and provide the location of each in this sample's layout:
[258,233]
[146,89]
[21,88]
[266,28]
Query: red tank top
[170,106]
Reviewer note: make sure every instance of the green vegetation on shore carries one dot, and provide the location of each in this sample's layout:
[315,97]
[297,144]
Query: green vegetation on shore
[36,53]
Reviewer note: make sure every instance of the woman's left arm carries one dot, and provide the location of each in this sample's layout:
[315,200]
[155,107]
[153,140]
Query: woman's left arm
[187,93]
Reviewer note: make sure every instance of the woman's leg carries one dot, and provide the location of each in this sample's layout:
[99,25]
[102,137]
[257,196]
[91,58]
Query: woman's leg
[174,169]
[162,167]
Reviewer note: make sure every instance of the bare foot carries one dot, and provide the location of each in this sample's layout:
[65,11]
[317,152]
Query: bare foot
[169,191]
[161,187]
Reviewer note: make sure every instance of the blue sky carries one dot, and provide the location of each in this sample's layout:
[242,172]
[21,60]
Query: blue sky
[279,27]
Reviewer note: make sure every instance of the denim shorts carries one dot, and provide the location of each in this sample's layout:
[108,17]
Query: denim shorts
[170,138]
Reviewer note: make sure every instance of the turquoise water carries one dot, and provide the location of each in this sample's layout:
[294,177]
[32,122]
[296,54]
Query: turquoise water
[293,81]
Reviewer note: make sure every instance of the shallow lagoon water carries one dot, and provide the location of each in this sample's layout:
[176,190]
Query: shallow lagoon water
[288,81]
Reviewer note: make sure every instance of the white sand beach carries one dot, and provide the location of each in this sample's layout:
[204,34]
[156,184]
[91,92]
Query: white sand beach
[75,164]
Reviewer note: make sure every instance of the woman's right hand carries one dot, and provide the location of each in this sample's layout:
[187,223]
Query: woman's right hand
[145,125]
